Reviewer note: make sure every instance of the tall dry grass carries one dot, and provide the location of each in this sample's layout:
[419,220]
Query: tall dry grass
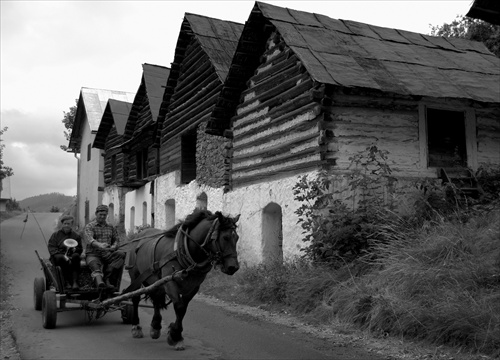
[439,283]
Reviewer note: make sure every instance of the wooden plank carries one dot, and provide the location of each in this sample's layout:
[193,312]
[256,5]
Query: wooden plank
[422,135]
[471,141]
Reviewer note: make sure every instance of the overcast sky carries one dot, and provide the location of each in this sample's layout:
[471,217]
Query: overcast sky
[51,49]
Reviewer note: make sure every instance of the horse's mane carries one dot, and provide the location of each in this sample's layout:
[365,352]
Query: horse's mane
[191,221]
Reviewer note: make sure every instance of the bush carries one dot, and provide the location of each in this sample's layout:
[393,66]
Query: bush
[334,232]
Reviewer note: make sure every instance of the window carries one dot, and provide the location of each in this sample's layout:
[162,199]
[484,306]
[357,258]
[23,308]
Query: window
[142,164]
[113,167]
[89,151]
[447,137]
[188,157]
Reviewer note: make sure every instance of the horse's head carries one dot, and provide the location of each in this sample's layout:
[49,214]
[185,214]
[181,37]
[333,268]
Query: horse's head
[225,244]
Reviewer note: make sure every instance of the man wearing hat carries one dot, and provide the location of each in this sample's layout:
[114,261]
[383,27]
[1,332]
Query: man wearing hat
[103,257]
[68,259]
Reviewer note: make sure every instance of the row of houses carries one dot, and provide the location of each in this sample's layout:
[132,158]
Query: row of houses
[244,110]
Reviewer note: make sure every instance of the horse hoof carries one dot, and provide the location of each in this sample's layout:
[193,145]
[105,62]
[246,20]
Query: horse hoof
[180,346]
[137,332]
[170,341]
[154,333]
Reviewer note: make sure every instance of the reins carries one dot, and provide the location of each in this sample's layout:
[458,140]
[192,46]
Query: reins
[182,254]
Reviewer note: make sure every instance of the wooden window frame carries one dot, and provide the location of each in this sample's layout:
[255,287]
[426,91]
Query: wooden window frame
[89,152]
[470,133]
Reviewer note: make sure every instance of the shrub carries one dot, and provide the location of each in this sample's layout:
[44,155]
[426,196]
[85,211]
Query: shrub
[336,233]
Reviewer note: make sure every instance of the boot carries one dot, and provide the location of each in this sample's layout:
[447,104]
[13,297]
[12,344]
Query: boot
[75,281]
[110,285]
[99,282]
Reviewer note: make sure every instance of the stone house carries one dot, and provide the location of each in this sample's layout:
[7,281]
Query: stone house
[192,163]
[109,138]
[90,162]
[305,92]
[131,156]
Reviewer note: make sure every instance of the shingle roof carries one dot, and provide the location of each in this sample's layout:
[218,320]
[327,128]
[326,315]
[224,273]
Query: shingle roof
[91,105]
[154,79]
[353,54]
[116,113]
[350,54]
[218,38]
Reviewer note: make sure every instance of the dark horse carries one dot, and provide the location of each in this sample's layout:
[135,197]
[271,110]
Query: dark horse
[192,248]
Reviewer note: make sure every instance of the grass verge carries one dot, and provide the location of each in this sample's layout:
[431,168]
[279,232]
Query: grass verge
[439,284]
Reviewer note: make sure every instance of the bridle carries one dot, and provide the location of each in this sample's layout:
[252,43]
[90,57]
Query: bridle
[213,237]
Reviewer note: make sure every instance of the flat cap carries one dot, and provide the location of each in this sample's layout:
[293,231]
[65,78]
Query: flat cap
[101,208]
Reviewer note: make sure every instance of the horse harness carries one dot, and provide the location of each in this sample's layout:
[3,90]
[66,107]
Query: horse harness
[182,254]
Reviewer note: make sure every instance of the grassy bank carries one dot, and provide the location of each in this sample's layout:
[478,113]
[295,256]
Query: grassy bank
[439,283]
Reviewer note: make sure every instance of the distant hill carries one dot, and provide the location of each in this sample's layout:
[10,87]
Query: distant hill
[45,202]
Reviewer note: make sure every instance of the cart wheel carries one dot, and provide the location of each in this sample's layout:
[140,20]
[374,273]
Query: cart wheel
[38,289]
[127,314]
[49,309]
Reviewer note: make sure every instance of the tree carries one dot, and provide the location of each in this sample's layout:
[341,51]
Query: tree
[5,171]
[471,29]
[12,205]
[69,121]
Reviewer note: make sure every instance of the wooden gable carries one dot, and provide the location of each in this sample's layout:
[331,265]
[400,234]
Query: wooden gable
[204,50]
[140,139]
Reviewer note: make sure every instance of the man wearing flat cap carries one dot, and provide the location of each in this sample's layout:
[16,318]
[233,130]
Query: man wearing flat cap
[103,257]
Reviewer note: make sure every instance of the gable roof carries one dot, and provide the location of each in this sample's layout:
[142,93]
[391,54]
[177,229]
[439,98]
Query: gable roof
[91,105]
[487,10]
[350,54]
[116,113]
[154,80]
[218,38]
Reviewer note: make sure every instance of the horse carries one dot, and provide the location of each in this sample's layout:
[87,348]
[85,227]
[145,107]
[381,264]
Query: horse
[193,247]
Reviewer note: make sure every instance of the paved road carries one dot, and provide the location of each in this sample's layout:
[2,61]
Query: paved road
[210,332]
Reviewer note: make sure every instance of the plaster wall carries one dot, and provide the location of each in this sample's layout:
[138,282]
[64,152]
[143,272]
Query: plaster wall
[90,174]
[184,197]
[136,199]
[249,201]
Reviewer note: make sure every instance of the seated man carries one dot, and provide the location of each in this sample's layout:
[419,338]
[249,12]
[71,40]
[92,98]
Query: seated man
[102,250]
[68,259]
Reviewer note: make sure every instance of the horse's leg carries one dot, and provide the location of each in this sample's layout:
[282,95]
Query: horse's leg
[174,337]
[158,303]
[136,328]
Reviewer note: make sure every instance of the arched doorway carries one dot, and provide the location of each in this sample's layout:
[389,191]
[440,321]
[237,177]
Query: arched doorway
[132,219]
[169,213]
[144,213]
[272,233]
[202,201]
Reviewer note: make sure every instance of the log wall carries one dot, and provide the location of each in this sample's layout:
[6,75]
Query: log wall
[191,105]
[277,124]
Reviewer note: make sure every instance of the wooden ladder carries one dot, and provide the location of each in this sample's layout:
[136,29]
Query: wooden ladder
[463,179]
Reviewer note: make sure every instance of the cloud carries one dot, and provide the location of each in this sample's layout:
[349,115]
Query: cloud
[32,150]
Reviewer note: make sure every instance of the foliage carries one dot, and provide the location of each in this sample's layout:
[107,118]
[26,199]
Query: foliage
[438,203]
[5,171]
[336,233]
[68,121]
[44,202]
[471,29]
[12,205]
[438,283]
[140,228]
[54,209]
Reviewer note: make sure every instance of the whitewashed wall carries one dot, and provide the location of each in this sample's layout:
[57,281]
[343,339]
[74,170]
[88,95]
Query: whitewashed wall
[249,201]
[184,196]
[136,198]
[90,176]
